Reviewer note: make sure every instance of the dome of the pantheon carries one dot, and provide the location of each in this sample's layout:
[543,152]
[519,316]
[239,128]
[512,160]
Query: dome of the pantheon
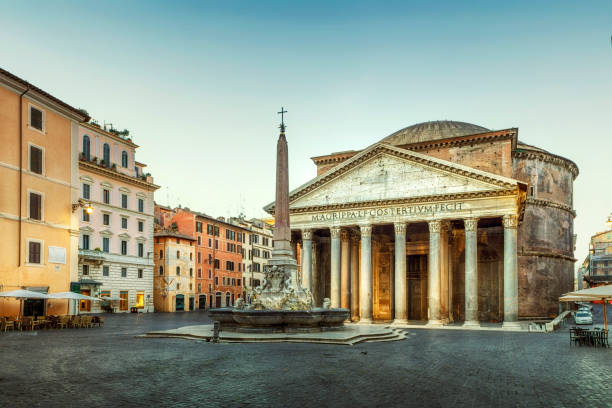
[434,130]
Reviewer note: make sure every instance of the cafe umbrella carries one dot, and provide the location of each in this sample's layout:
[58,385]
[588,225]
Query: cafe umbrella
[23,294]
[598,293]
[73,296]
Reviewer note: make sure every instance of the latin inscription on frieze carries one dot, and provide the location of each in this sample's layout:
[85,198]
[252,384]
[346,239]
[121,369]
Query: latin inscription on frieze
[406,211]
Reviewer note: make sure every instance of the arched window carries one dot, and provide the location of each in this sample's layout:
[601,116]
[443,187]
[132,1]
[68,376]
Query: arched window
[232,299]
[161,270]
[124,159]
[178,270]
[86,147]
[227,299]
[106,154]
[178,254]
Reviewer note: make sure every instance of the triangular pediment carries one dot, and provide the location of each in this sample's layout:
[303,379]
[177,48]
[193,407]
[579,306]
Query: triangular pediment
[384,173]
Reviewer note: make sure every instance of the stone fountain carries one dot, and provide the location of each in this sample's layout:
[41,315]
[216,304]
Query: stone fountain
[280,304]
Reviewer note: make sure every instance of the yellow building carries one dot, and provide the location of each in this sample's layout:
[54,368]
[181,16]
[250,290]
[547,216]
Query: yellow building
[174,278]
[39,195]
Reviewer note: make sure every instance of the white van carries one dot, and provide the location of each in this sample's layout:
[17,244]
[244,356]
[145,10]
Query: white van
[583,316]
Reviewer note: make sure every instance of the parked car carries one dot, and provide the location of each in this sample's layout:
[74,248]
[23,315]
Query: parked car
[583,316]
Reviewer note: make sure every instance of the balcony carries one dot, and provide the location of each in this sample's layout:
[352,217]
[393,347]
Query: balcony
[91,256]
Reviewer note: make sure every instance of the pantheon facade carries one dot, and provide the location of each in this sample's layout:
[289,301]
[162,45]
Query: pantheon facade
[441,222]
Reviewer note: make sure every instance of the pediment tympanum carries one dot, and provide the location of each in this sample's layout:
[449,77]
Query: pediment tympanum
[384,173]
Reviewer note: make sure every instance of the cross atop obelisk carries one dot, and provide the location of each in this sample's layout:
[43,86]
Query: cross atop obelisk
[282,230]
[282,113]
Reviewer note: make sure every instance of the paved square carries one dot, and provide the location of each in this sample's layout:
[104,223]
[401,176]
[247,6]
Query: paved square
[111,367]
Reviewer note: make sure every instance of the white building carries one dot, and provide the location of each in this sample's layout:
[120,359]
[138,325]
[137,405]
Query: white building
[116,239]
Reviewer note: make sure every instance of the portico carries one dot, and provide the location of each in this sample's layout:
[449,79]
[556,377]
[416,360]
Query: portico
[395,235]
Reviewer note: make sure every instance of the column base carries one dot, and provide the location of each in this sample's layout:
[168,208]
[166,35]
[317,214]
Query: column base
[511,325]
[399,322]
[365,320]
[471,324]
[434,323]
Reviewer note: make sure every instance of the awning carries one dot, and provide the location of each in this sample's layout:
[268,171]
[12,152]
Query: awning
[90,282]
[23,294]
[72,295]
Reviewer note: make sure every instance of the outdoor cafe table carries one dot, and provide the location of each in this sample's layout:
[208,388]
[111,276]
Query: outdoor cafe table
[592,337]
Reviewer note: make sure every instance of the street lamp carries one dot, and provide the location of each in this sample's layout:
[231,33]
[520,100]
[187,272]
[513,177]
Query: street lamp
[82,204]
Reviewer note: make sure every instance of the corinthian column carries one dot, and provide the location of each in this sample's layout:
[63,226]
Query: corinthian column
[471,272]
[365,275]
[345,288]
[335,267]
[510,222]
[433,282]
[354,277]
[400,273]
[307,259]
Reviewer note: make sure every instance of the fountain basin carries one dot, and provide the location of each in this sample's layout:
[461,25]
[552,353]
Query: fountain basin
[278,320]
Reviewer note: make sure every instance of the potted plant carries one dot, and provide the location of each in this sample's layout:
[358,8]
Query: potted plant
[95,159]
[114,166]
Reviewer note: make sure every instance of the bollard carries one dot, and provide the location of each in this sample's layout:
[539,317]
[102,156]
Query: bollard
[216,326]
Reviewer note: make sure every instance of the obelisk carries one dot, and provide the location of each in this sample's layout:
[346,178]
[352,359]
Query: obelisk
[282,230]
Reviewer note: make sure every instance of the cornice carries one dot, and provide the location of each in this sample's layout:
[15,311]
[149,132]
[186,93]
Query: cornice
[109,134]
[547,203]
[547,157]
[412,200]
[547,255]
[117,176]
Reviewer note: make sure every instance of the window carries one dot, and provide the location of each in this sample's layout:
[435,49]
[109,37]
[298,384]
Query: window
[161,254]
[199,240]
[216,231]
[85,269]
[123,304]
[191,256]
[124,159]
[217,264]
[216,244]
[139,300]
[123,247]
[106,155]
[210,290]
[178,271]
[199,273]
[229,265]
[106,219]
[86,147]
[86,190]
[200,289]
[140,205]
[140,226]
[216,280]
[106,244]
[209,243]
[105,270]
[209,229]
[223,280]
[531,191]
[124,272]
[123,200]
[85,241]
[35,206]
[106,196]
[34,251]
[36,160]
[238,282]
[199,257]
[209,274]
[239,267]
[198,226]
[161,270]
[140,249]
[191,272]
[178,254]
[36,119]
[233,281]
[85,215]
[123,222]
[140,273]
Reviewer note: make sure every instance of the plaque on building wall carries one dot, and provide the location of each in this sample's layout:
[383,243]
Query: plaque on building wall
[57,255]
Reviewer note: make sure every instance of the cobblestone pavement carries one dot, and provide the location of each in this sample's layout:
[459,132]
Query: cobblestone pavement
[110,367]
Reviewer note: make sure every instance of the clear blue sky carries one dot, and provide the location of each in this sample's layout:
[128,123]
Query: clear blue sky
[198,84]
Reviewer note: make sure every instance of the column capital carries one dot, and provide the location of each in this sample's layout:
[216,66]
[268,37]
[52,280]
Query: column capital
[366,230]
[344,235]
[307,233]
[434,226]
[354,238]
[335,232]
[470,224]
[400,228]
[510,221]
[445,226]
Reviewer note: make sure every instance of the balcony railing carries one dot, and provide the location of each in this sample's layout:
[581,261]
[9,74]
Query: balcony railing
[598,278]
[91,256]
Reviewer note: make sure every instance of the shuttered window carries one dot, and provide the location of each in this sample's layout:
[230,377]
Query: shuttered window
[36,118]
[36,160]
[35,206]
[34,252]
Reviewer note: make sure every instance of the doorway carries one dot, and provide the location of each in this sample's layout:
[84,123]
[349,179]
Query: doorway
[85,305]
[218,299]
[34,307]
[180,303]
[191,303]
[416,271]
[202,304]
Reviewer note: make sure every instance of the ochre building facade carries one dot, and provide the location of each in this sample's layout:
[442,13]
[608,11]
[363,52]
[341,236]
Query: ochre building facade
[440,221]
